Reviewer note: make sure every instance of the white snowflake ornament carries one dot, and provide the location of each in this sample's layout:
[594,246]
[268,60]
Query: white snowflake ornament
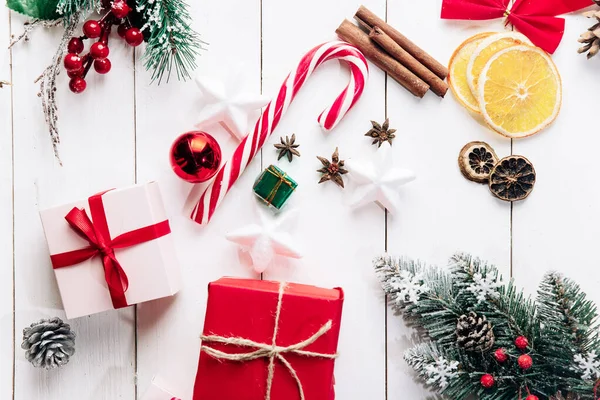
[379,181]
[441,372]
[268,238]
[588,365]
[224,103]
[408,287]
[484,288]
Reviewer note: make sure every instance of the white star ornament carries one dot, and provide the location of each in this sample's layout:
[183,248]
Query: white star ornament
[267,239]
[379,181]
[225,105]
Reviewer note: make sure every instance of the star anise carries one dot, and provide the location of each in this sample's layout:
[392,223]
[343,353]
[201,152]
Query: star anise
[381,133]
[332,170]
[287,147]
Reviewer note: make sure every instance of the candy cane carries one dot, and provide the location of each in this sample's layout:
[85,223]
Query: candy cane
[328,119]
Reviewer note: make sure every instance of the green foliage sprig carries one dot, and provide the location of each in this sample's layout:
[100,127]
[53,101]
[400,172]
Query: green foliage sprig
[171,42]
[561,326]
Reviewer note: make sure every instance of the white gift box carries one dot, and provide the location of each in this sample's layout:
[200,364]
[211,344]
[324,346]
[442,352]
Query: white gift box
[155,392]
[151,267]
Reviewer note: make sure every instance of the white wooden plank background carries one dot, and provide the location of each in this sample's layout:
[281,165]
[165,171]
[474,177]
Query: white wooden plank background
[118,132]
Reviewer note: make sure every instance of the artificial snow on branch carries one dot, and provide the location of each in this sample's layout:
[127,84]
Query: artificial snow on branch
[171,42]
[485,338]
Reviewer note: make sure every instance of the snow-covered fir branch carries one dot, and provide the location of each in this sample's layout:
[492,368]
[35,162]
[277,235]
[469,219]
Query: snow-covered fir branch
[430,364]
[171,42]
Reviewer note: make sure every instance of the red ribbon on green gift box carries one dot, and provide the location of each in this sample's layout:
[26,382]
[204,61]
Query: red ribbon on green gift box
[95,231]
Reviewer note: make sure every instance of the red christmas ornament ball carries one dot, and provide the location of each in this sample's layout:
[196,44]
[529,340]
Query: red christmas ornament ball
[134,37]
[102,65]
[120,9]
[525,361]
[521,342]
[99,50]
[72,62]
[532,397]
[75,45]
[92,29]
[195,156]
[500,355]
[487,381]
[77,85]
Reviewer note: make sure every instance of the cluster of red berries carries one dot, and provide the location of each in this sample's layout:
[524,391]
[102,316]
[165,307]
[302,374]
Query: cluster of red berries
[77,66]
[524,360]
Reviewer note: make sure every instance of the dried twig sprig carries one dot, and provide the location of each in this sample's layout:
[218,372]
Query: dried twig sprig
[29,26]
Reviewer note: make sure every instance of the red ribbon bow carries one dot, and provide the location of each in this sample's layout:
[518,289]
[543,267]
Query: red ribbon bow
[98,235]
[536,19]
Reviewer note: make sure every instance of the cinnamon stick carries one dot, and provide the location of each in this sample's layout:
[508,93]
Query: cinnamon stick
[353,34]
[438,86]
[367,16]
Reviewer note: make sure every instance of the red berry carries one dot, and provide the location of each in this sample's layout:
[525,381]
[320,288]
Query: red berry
[532,397]
[75,45]
[102,65]
[500,355]
[75,73]
[525,361]
[72,62]
[77,85]
[99,50]
[92,29]
[122,29]
[120,9]
[487,381]
[134,36]
[521,342]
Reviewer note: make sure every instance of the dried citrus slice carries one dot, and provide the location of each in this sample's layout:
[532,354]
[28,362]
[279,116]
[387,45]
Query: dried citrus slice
[457,78]
[519,91]
[486,49]
[476,160]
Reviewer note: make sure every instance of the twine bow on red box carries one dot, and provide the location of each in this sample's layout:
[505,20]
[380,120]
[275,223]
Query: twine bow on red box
[96,232]
[536,19]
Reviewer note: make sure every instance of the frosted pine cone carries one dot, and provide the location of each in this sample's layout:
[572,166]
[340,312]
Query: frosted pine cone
[48,343]
[591,37]
[474,333]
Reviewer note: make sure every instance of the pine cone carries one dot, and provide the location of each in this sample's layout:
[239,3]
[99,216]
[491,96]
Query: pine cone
[591,37]
[474,333]
[570,396]
[48,343]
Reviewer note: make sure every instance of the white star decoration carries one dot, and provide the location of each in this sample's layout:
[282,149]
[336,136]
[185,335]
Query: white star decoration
[379,181]
[267,239]
[225,105]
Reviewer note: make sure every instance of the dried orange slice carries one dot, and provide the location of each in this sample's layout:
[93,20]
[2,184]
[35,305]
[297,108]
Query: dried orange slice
[519,91]
[486,49]
[457,77]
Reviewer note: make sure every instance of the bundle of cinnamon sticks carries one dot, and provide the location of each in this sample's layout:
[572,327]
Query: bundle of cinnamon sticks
[395,54]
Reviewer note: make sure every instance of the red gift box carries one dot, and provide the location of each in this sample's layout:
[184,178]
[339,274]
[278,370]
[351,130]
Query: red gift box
[268,340]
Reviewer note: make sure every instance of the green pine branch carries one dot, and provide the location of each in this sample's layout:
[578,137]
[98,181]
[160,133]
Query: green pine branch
[171,42]
[69,8]
[560,324]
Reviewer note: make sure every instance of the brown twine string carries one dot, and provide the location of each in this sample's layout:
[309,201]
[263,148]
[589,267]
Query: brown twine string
[271,351]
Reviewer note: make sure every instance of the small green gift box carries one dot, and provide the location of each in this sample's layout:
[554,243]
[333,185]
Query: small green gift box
[274,186]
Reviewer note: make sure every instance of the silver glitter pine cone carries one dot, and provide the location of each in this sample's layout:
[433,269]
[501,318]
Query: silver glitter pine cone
[474,333]
[49,343]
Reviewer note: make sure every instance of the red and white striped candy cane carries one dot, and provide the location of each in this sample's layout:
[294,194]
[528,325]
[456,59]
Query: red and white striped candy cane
[328,119]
